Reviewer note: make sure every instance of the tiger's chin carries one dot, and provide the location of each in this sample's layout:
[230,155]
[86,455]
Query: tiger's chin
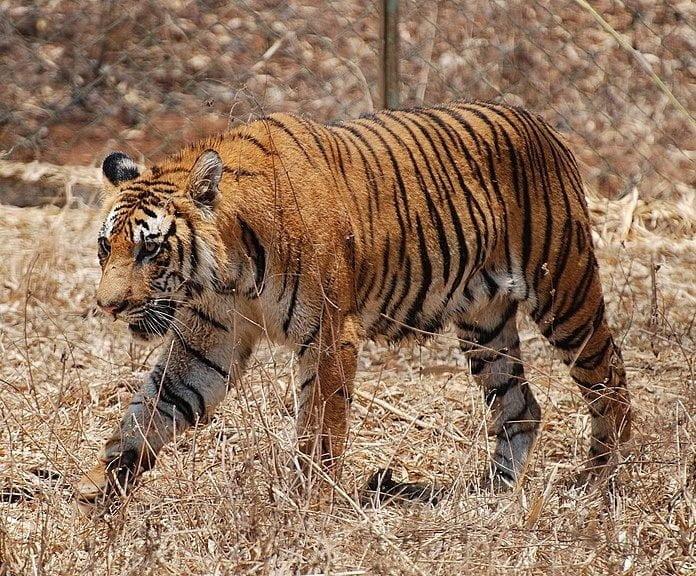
[154,323]
[142,333]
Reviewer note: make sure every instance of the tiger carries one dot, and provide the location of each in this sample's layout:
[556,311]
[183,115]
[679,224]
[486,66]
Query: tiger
[319,236]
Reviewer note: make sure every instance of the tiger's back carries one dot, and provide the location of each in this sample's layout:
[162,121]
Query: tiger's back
[439,208]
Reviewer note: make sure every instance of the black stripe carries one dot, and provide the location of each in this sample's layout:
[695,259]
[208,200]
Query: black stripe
[193,255]
[432,209]
[198,355]
[173,170]
[386,260]
[148,212]
[474,167]
[372,194]
[180,250]
[578,296]
[471,202]
[486,120]
[400,218]
[354,135]
[491,284]
[209,319]
[311,338]
[536,155]
[311,129]
[387,307]
[456,222]
[558,271]
[403,192]
[485,336]
[381,321]
[169,396]
[307,382]
[292,136]
[252,140]
[166,413]
[293,296]
[590,362]
[577,336]
[256,252]
[240,172]
[155,183]
[199,397]
[464,123]
[426,277]
[476,365]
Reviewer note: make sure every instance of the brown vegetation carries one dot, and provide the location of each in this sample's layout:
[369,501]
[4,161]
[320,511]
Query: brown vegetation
[81,79]
[219,501]
[87,78]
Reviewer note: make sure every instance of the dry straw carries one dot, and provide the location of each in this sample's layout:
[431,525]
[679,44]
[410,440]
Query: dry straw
[220,500]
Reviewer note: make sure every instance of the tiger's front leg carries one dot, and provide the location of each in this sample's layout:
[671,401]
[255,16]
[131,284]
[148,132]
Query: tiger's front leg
[326,372]
[200,358]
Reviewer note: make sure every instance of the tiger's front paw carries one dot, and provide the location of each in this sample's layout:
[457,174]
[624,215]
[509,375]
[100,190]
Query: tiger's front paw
[108,479]
[93,487]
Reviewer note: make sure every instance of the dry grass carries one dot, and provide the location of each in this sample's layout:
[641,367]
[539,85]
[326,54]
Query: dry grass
[218,502]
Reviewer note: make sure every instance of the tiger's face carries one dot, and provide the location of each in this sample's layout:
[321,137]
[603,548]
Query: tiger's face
[154,246]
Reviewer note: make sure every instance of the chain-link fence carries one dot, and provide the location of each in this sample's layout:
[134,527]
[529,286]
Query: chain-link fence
[82,78]
[145,76]
[592,71]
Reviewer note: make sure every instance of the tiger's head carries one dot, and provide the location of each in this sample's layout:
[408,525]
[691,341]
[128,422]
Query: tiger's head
[158,245]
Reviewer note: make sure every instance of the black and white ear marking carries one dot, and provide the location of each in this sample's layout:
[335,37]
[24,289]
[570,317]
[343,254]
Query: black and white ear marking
[119,167]
[205,177]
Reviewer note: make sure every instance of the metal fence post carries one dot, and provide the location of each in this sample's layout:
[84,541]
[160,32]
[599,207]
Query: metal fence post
[389,54]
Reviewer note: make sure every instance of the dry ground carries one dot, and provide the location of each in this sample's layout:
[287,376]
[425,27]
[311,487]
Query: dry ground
[218,501]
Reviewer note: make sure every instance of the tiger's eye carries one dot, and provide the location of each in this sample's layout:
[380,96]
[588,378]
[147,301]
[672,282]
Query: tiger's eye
[104,248]
[148,249]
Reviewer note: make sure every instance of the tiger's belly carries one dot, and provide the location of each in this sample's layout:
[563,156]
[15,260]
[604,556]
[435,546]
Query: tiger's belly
[404,309]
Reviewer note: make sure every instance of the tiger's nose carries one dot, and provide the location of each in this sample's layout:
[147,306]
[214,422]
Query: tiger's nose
[112,308]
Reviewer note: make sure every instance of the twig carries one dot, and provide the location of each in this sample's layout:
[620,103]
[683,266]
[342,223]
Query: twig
[406,416]
[644,64]
[652,323]
[422,83]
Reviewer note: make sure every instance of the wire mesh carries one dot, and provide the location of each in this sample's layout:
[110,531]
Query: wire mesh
[556,59]
[146,77]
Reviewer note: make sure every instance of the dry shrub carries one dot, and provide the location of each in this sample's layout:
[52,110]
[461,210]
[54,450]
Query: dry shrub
[219,502]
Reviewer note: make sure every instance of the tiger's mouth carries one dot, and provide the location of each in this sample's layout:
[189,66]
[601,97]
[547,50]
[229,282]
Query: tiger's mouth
[155,320]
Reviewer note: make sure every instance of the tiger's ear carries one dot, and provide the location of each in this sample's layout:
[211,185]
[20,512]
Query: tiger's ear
[119,167]
[205,177]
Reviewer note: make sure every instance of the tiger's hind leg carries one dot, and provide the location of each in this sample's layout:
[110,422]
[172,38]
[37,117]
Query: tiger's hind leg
[489,336]
[573,320]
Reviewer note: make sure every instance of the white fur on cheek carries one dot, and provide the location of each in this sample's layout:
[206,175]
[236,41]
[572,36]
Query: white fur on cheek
[206,263]
[108,225]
